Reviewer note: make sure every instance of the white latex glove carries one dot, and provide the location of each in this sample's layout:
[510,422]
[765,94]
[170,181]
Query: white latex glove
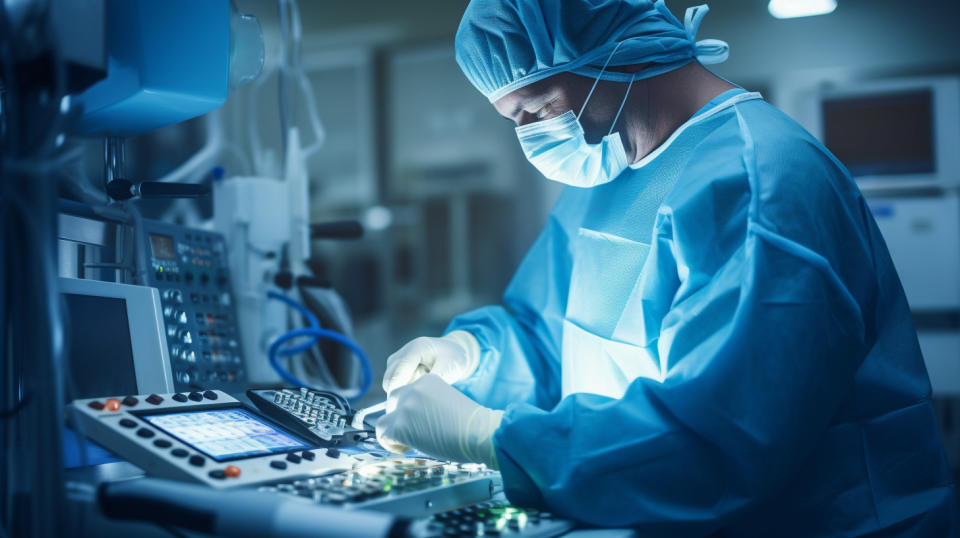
[452,357]
[439,420]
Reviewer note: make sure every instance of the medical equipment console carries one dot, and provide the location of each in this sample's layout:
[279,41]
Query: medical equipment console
[191,270]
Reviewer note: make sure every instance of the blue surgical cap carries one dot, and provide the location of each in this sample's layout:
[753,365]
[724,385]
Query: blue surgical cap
[503,45]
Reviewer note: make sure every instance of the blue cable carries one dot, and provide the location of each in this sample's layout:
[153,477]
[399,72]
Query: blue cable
[316,333]
[275,349]
[305,312]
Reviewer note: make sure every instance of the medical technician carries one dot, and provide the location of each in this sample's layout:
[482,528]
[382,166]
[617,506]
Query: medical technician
[709,335]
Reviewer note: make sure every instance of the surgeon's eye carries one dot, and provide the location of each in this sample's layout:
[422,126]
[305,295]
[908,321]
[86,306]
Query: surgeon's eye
[548,110]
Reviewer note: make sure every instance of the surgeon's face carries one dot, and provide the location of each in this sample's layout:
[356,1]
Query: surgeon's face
[555,95]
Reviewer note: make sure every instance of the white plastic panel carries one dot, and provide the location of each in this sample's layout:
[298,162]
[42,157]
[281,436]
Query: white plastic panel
[923,236]
[941,353]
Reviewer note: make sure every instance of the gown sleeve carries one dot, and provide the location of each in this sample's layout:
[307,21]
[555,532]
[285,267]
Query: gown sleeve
[520,340]
[759,348]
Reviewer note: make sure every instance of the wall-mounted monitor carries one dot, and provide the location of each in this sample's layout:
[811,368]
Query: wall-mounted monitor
[895,134]
[115,342]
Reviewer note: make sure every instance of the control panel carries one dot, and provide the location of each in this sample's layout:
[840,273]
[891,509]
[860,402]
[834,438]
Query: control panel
[209,437]
[321,417]
[407,486]
[190,269]
[495,517]
[203,436]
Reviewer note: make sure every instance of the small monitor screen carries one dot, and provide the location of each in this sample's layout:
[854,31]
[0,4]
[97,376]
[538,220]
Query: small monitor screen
[226,434]
[888,134]
[162,246]
[99,350]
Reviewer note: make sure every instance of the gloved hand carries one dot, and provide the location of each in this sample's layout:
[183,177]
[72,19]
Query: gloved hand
[439,420]
[453,357]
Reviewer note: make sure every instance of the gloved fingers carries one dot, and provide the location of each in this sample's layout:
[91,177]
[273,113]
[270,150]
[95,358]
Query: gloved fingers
[448,360]
[384,426]
[402,366]
[418,373]
[449,371]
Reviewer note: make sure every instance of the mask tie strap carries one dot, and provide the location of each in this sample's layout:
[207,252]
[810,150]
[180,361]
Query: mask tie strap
[597,81]
[622,103]
[707,51]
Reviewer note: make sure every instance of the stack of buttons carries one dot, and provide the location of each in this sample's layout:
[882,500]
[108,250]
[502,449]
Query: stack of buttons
[486,519]
[367,481]
[316,411]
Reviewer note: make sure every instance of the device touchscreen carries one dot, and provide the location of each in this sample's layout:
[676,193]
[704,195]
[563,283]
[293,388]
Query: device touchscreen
[226,434]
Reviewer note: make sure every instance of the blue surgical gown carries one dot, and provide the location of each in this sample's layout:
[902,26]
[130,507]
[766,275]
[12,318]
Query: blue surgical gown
[770,380]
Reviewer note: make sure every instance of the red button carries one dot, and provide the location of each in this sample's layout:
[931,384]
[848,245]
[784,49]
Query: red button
[232,471]
[112,404]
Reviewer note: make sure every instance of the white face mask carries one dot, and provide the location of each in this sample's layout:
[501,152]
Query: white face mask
[559,150]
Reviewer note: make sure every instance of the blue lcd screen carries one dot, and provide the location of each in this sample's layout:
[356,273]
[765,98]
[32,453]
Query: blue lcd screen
[226,434]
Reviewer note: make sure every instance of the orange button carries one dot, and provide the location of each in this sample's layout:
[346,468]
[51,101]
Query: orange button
[232,471]
[112,404]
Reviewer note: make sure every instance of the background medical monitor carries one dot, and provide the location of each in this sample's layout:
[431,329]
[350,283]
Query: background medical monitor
[883,134]
[891,134]
[115,343]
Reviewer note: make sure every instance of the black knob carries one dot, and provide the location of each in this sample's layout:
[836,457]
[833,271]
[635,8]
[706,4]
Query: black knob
[283,280]
[121,189]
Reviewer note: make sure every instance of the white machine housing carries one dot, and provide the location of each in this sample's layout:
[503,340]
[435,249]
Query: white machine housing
[141,449]
[259,216]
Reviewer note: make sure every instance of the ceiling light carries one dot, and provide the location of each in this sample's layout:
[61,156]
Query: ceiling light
[789,9]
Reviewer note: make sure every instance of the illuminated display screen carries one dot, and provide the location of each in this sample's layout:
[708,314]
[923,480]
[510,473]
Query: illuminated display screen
[162,247]
[226,434]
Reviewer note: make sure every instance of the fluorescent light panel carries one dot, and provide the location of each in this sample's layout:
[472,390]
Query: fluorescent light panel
[789,9]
